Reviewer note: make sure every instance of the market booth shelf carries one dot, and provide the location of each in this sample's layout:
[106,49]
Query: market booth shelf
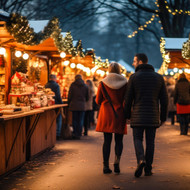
[24,135]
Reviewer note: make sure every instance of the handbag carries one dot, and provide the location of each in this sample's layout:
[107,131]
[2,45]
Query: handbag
[109,99]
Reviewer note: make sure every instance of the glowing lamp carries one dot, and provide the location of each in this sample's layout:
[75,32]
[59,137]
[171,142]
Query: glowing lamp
[18,53]
[2,51]
[175,70]
[25,56]
[66,63]
[62,54]
[72,65]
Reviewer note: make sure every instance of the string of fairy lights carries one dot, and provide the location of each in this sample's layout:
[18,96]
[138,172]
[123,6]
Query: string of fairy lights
[175,12]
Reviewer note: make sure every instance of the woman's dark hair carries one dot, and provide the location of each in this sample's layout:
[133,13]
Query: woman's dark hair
[142,57]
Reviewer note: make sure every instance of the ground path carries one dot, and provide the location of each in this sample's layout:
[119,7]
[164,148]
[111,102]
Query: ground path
[77,165]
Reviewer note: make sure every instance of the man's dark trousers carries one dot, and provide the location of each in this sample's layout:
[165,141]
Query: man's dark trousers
[148,155]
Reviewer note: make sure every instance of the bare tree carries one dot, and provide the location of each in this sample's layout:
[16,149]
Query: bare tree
[14,5]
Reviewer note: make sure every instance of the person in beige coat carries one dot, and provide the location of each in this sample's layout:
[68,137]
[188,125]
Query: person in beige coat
[88,106]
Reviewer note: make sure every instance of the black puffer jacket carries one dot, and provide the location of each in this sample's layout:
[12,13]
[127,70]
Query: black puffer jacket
[146,89]
[78,95]
[182,92]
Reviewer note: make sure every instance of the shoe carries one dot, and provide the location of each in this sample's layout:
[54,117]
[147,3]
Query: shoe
[139,169]
[106,169]
[148,173]
[116,168]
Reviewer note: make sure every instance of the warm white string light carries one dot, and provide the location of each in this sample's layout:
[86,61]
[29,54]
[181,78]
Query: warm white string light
[142,27]
[176,11]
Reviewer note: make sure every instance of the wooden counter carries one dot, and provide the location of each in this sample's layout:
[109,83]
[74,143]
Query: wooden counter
[26,134]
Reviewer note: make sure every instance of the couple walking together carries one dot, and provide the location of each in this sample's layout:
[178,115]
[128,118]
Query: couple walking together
[143,100]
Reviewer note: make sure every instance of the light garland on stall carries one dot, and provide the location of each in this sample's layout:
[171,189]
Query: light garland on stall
[186,49]
[19,27]
[165,57]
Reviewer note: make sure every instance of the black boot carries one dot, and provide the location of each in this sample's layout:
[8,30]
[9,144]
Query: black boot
[116,164]
[106,169]
[139,169]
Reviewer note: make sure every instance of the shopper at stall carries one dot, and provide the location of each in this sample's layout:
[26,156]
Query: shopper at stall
[88,107]
[52,84]
[111,118]
[182,99]
[78,95]
[171,106]
[145,90]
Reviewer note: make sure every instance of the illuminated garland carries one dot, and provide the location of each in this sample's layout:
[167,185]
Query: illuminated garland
[100,63]
[175,11]
[19,27]
[143,26]
[186,49]
[79,49]
[156,15]
[165,56]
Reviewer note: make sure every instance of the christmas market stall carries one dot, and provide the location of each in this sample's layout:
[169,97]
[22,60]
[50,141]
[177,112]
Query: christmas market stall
[28,123]
[175,60]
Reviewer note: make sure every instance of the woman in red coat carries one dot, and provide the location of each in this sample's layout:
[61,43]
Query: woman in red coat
[115,84]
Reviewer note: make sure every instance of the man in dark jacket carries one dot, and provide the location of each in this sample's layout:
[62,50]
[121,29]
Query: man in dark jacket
[52,84]
[78,95]
[146,89]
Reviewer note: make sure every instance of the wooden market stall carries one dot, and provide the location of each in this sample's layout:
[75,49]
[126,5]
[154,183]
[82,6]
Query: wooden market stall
[26,133]
[171,50]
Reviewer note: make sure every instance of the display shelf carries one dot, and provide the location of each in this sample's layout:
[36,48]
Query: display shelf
[1,84]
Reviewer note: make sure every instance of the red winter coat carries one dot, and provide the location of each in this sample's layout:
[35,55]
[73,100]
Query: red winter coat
[107,122]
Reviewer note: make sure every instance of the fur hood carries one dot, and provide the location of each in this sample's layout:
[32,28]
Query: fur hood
[114,81]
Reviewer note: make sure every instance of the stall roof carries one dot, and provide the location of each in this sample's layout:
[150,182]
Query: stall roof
[174,43]
[38,25]
[128,67]
[75,43]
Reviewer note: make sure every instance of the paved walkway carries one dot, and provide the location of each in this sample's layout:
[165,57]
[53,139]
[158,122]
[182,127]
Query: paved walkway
[77,165]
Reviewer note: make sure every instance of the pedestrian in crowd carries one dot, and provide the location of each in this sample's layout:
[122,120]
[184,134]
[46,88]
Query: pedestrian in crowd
[111,119]
[52,84]
[171,106]
[182,99]
[77,97]
[95,106]
[88,107]
[145,90]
